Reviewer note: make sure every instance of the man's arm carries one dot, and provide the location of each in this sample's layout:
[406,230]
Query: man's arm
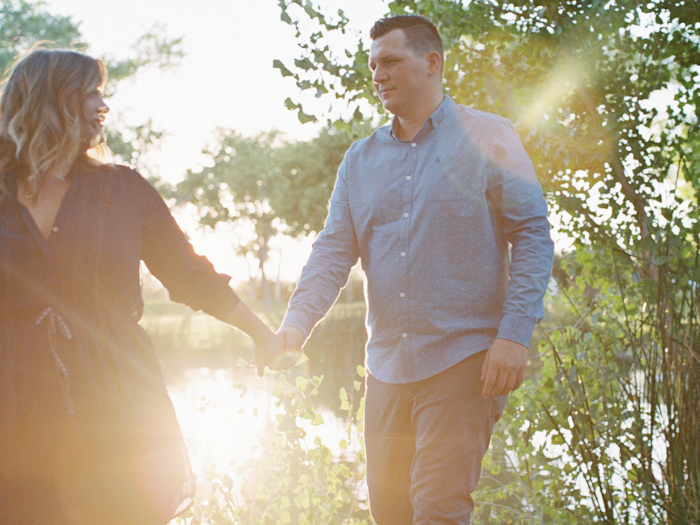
[332,257]
[518,197]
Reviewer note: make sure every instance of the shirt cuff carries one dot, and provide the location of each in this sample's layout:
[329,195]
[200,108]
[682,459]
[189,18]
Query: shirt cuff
[516,329]
[299,320]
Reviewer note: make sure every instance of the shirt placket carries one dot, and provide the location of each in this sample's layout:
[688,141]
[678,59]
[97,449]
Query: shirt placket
[404,299]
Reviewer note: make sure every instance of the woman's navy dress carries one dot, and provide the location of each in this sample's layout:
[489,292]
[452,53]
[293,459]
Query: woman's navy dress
[87,431]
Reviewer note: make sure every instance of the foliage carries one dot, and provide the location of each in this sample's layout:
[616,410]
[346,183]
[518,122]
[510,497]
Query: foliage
[345,76]
[576,77]
[292,480]
[608,432]
[132,143]
[235,187]
[307,175]
[265,185]
[25,24]
[336,348]
[153,49]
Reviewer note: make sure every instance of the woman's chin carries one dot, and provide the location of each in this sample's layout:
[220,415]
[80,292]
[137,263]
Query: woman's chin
[96,140]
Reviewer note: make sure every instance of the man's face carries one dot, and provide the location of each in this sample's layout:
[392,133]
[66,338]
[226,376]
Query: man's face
[400,75]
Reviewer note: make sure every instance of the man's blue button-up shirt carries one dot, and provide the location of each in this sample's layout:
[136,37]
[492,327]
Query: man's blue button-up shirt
[451,229]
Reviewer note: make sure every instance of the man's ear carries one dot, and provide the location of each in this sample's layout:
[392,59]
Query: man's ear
[434,62]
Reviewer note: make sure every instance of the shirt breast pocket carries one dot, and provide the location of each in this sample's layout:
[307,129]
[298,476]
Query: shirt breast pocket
[456,181]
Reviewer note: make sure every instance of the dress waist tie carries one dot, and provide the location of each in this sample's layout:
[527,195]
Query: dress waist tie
[57,326]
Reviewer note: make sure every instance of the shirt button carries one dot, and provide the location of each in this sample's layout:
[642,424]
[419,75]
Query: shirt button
[413,144]
[402,294]
[54,229]
[408,177]
[404,335]
[403,254]
[405,215]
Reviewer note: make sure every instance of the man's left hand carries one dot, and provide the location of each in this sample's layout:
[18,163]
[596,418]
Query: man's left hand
[504,367]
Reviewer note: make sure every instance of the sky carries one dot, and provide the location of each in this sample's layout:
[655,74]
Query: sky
[226,79]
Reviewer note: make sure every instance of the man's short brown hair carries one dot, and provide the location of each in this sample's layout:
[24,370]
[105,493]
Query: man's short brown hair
[421,33]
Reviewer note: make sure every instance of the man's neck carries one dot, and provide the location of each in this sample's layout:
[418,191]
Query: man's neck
[408,126]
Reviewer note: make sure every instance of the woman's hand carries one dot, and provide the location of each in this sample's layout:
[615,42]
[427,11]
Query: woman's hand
[268,350]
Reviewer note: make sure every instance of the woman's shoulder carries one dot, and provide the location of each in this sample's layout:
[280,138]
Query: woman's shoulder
[112,174]
[127,175]
[113,170]
[120,183]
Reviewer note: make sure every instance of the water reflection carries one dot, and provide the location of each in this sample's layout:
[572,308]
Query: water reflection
[224,413]
[221,419]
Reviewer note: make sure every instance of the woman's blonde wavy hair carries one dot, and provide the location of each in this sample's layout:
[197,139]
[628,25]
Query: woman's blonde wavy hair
[39,130]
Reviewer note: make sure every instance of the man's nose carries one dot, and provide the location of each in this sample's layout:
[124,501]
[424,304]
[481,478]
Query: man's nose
[379,74]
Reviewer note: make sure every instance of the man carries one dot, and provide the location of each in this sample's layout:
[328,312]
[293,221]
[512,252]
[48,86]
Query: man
[430,204]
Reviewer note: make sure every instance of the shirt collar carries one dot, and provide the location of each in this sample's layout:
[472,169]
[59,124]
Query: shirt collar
[441,113]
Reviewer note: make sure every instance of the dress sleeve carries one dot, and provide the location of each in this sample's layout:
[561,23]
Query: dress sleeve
[189,278]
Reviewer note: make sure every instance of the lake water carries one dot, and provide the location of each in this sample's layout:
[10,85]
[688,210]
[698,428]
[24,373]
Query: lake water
[224,413]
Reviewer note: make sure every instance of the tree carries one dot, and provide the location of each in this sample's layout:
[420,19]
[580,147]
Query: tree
[577,78]
[605,96]
[307,175]
[130,143]
[235,188]
[267,184]
[25,24]
[273,186]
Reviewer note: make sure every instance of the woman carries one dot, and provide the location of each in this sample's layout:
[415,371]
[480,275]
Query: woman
[87,431]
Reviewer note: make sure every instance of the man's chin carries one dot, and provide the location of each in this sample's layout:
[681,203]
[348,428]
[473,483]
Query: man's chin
[389,107]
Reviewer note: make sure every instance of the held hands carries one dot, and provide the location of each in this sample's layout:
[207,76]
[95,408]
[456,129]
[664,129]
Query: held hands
[268,347]
[504,367]
[267,350]
[278,351]
[293,339]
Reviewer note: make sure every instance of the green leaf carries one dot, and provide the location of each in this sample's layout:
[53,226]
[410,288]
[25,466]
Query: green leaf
[304,118]
[277,64]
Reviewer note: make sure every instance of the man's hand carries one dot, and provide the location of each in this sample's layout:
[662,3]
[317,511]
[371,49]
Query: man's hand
[504,367]
[293,338]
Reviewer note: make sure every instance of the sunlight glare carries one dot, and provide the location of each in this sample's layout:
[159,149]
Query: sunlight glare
[223,420]
[562,80]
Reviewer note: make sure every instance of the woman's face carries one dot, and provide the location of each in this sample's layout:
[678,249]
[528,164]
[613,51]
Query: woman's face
[92,116]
